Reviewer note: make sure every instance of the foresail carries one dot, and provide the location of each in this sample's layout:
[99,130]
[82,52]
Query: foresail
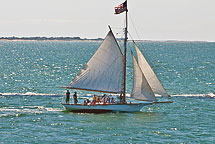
[104,71]
[152,79]
[141,89]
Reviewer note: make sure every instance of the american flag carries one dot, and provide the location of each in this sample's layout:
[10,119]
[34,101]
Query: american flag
[121,8]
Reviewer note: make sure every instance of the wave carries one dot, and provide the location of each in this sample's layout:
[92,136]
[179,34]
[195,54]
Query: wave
[24,110]
[28,94]
[210,95]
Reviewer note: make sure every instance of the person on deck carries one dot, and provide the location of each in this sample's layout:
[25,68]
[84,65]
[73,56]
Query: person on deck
[94,100]
[108,99]
[67,97]
[112,100]
[103,96]
[85,103]
[98,99]
[104,99]
[75,98]
[120,99]
[88,101]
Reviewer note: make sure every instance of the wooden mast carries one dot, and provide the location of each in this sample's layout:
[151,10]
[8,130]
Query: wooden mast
[125,42]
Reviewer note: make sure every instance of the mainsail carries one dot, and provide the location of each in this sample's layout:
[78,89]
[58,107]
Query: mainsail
[104,71]
[152,79]
[141,89]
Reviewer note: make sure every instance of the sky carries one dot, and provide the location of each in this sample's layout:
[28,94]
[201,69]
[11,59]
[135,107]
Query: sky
[190,20]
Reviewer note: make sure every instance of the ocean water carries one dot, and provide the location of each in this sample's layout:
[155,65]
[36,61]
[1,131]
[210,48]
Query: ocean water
[30,110]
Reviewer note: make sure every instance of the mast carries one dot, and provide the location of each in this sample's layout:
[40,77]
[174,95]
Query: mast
[125,43]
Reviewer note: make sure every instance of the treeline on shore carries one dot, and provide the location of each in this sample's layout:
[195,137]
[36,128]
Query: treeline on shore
[47,38]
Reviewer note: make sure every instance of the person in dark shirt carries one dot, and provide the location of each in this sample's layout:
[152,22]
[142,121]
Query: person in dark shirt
[121,99]
[88,101]
[67,97]
[75,98]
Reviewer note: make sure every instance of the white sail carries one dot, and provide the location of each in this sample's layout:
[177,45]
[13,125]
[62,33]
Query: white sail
[152,79]
[141,89]
[104,71]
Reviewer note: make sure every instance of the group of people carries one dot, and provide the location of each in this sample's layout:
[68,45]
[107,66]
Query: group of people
[100,100]
[74,97]
[96,99]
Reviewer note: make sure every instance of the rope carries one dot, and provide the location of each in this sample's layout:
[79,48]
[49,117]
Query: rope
[142,45]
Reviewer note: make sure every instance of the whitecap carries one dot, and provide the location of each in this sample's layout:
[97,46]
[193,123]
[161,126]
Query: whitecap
[210,95]
[28,94]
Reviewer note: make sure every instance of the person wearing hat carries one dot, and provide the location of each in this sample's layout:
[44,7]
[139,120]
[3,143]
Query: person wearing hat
[75,98]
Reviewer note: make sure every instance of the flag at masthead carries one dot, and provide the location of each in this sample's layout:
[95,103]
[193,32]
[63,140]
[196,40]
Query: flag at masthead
[121,8]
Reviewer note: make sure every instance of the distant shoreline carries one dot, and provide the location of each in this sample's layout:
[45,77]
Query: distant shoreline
[48,39]
[78,39]
[52,40]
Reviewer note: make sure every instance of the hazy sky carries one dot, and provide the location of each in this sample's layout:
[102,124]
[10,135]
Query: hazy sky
[153,19]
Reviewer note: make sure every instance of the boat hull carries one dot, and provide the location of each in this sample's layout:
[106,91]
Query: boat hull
[135,107]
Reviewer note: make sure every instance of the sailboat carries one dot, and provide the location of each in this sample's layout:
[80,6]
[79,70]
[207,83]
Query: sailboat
[106,72]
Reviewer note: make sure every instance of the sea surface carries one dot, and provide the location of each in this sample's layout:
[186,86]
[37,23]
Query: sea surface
[31,73]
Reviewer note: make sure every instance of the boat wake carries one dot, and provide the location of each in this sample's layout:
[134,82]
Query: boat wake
[28,94]
[24,110]
[209,95]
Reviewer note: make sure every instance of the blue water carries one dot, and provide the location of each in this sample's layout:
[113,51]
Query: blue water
[30,110]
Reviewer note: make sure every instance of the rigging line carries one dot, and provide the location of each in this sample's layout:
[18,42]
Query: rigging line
[142,45]
[131,39]
[130,36]
[134,27]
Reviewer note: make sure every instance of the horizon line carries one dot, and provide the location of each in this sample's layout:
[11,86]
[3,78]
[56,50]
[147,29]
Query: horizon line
[77,38]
